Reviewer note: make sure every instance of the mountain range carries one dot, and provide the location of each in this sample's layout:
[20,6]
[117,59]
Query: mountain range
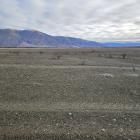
[33,38]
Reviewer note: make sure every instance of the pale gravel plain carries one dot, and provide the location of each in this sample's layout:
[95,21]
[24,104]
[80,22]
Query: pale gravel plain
[70,94]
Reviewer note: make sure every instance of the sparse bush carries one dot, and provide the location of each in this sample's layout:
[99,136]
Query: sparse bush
[41,52]
[99,55]
[10,52]
[110,56]
[124,55]
[82,63]
[92,51]
[134,69]
[58,57]
[16,52]
[133,66]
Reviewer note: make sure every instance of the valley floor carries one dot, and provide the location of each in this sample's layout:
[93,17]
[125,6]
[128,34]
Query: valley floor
[74,94]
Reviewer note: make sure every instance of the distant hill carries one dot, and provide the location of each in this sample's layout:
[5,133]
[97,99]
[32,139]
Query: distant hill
[122,44]
[32,38]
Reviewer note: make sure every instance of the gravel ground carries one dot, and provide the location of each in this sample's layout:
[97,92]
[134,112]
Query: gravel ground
[74,94]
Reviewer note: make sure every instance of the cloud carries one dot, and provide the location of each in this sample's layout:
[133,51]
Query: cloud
[100,20]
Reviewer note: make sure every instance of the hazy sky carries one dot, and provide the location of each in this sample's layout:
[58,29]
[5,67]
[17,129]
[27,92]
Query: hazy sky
[99,20]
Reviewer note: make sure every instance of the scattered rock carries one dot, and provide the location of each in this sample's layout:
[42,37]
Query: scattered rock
[45,130]
[107,75]
[121,130]
[103,130]
[114,120]
[57,124]
[70,113]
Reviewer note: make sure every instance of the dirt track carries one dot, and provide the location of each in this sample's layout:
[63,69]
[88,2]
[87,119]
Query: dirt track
[66,67]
